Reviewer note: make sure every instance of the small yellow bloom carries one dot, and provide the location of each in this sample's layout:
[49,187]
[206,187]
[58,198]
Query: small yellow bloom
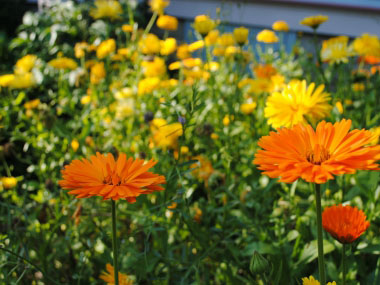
[155,68]
[196,45]
[241,35]
[166,22]
[214,136]
[109,276]
[25,64]
[124,93]
[63,63]
[150,44]
[106,9]
[226,39]
[212,66]
[183,51]
[80,49]
[98,72]
[203,24]
[314,21]
[74,145]
[247,108]
[226,120]
[172,206]
[158,6]
[105,48]
[21,81]
[148,85]
[280,26]
[127,28]
[357,87]
[168,46]
[6,79]
[89,141]
[202,170]
[367,45]
[339,107]
[32,104]
[312,281]
[85,99]
[165,135]
[267,36]
[8,182]
[212,37]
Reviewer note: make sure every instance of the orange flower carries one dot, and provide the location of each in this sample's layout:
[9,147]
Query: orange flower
[315,156]
[110,179]
[110,279]
[344,223]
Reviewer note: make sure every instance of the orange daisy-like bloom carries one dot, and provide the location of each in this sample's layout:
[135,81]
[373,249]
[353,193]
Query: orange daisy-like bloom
[344,223]
[110,179]
[109,277]
[316,155]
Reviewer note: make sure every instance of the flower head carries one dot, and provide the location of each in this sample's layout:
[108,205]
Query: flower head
[267,36]
[166,22]
[63,63]
[155,68]
[336,50]
[168,46]
[312,281]
[106,9]
[203,24]
[25,64]
[316,155]
[150,44]
[280,26]
[367,45]
[105,48]
[98,72]
[109,276]
[6,80]
[314,21]
[165,135]
[241,35]
[344,223]
[8,182]
[297,103]
[80,49]
[110,179]
[21,81]
[158,6]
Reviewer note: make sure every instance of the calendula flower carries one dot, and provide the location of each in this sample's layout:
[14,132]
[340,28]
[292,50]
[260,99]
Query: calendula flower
[63,63]
[314,21]
[105,48]
[367,45]
[226,39]
[158,6]
[264,71]
[6,79]
[32,104]
[127,28]
[369,59]
[183,51]
[212,37]
[344,223]
[336,50]
[80,49]
[22,81]
[148,85]
[155,68]
[166,22]
[8,182]
[203,24]
[196,45]
[110,179]
[150,44]
[280,26]
[25,64]
[241,35]
[248,108]
[267,36]
[312,281]
[106,9]
[297,103]
[168,46]
[74,145]
[202,169]
[165,135]
[97,73]
[109,276]
[316,156]
[339,107]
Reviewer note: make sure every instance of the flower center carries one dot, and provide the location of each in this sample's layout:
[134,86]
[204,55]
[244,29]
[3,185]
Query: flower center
[317,155]
[112,177]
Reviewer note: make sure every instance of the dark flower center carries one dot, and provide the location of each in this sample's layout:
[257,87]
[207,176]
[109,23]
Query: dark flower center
[317,155]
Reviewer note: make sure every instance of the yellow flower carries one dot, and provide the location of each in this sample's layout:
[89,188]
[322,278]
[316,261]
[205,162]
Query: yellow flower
[98,72]
[367,45]
[8,182]
[148,85]
[376,135]
[165,135]
[212,66]
[212,37]
[109,276]
[357,87]
[150,44]
[106,9]
[168,46]
[25,64]
[226,39]
[155,68]
[247,108]
[124,93]
[105,48]
[125,108]
[166,22]
[339,107]
[32,104]
[226,120]
[314,21]
[80,49]
[183,51]
[264,71]
[127,28]
[267,36]
[196,45]
[312,281]
[6,79]
[74,145]
[336,50]
[297,103]
[214,136]
[231,50]
[63,63]
[202,170]
[158,6]
[203,24]
[85,99]
[241,35]
[280,26]
[21,81]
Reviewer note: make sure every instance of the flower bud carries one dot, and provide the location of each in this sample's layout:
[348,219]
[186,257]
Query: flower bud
[259,264]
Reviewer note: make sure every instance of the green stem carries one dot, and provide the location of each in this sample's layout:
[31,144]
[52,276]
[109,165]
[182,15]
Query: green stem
[321,262]
[151,22]
[344,264]
[114,245]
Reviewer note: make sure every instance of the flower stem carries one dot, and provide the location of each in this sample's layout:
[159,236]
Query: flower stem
[321,262]
[151,23]
[114,246]
[344,265]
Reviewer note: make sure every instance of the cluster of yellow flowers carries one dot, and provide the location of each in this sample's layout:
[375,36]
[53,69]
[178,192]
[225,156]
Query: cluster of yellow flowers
[22,77]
